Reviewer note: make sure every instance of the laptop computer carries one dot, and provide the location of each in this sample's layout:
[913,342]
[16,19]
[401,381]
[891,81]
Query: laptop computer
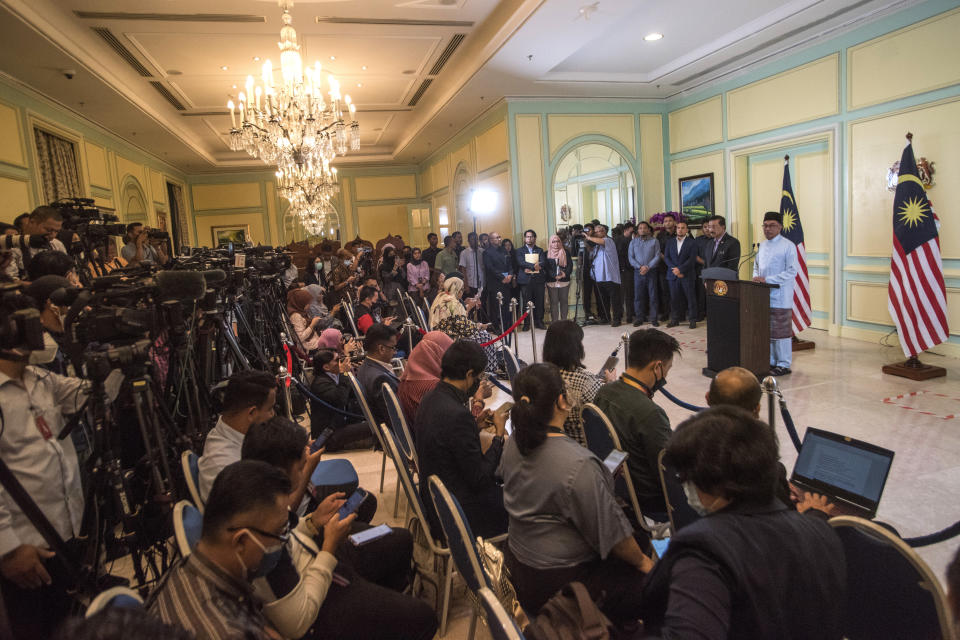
[851,473]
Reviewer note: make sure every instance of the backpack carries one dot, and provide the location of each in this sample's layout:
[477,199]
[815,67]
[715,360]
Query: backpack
[570,615]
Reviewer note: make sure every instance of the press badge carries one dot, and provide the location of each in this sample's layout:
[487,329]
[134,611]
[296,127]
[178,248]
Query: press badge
[42,425]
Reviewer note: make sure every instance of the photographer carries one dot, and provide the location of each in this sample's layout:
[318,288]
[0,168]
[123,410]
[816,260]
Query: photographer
[143,245]
[40,230]
[331,385]
[33,403]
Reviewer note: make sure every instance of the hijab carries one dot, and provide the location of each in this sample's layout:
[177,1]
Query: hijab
[298,300]
[422,372]
[330,339]
[316,308]
[416,261]
[558,255]
[447,303]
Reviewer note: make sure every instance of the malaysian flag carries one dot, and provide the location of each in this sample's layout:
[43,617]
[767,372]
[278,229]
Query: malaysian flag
[917,294]
[793,231]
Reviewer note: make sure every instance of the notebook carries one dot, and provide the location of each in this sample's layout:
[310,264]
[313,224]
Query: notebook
[851,473]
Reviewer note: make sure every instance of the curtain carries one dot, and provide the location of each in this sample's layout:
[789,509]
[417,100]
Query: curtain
[179,213]
[58,166]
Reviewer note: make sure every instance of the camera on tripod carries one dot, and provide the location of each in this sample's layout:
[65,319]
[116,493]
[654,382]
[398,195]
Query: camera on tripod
[83,217]
[21,329]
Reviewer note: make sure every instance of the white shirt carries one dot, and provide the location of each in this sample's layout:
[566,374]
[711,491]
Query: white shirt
[16,266]
[680,243]
[777,264]
[47,468]
[221,448]
[469,263]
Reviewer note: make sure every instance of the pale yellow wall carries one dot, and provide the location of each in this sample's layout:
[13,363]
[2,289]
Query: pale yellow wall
[698,125]
[877,143]
[237,195]
[813,190]
[502,218]
[386,187]
[766,179]
[918,58]
[16,198]
[651,165]
[98,166]
[709,163]
[533,214]
[563,128]
[379,220]
[492,146]
[253,221]
[11,145]
[804,93]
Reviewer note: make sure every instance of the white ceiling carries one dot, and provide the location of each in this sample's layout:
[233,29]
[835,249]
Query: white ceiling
[513,48]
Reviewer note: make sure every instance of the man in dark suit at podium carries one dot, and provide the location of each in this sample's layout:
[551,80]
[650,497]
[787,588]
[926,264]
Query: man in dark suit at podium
[724,250]
[680,256]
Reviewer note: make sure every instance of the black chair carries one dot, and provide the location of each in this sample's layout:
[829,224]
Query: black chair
[401,433]
[891,592]
[368,416]
[510,363]
[501,624]
[678,509]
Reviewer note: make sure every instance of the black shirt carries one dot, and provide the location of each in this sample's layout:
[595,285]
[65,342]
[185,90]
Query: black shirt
[430,255]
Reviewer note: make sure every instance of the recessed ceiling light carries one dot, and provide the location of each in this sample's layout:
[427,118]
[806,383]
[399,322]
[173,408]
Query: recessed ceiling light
[224,68]
[333,57]
[256,58]
[364,67]
[359,84]
[234,86]
[651,37]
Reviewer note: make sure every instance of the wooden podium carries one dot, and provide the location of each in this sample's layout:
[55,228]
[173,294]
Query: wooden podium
[738,324]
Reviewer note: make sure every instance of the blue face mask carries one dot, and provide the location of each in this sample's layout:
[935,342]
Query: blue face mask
[659,383]
[269,561]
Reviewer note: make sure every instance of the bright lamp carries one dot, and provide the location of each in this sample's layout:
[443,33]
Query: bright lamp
[483,201]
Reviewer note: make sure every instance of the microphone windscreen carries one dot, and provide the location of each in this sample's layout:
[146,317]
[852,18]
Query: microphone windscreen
[64,296]
[185,286]
[213,276]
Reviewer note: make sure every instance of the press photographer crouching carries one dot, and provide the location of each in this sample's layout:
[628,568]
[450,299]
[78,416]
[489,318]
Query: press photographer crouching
[40,231]
[143,245]
[33,405]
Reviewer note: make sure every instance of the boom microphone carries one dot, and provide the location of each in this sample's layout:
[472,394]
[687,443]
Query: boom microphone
[213,276]
[184,286]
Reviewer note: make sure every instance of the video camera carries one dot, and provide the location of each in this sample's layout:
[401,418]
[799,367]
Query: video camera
[20,328]
[83,217]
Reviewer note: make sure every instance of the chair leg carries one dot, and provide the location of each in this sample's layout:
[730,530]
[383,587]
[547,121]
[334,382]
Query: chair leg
[447,587]
[383,469]
[396,499]
[473,625]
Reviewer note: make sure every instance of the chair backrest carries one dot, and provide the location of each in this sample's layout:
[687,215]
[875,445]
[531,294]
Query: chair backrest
[460,539]
[398,424]
[501,624]
[510,363]
[190,462]
[187,526]
[891,592]
[114,597]
[679,511]
[398,364]
[596,432]
[409,485]
[348,309]
[365,407]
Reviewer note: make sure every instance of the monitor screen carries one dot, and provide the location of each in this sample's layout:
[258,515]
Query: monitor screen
[844,465]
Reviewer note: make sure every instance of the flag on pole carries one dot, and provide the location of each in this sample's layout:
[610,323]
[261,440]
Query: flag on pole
[793,231]
[917,296]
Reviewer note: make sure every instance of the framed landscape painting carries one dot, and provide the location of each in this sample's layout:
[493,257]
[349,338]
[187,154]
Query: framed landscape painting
[696,198]
[237,234]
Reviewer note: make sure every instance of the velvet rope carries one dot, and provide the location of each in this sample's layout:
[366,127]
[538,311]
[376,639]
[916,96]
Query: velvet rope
[674,399]
[306,391]
[507,332]
[500,385]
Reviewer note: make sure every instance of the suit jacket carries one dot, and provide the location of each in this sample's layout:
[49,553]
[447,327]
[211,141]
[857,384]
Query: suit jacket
[686,261]
[497,262]
[337,394]
[520,255]
[727,255]
[371,377]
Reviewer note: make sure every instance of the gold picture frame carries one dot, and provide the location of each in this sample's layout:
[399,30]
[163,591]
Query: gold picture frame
[225,234]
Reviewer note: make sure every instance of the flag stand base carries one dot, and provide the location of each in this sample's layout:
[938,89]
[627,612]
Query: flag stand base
[913,369]
[799,344]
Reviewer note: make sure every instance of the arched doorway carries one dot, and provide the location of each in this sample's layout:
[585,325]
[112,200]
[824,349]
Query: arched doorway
[593,181]
[133,202]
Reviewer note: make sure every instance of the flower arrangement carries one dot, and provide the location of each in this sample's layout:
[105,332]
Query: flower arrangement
[656,220]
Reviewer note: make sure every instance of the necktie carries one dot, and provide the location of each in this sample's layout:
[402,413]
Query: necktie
[716,245]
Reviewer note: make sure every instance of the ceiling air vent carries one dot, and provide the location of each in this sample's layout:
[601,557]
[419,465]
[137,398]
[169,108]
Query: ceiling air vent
[114,43]
[419,92]
[169,17]
[451,47]
[167,95]
[395,22]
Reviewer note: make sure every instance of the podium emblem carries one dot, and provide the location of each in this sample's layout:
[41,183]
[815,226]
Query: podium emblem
[720,288]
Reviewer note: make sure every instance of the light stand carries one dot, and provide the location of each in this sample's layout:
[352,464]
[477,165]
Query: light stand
[482,202]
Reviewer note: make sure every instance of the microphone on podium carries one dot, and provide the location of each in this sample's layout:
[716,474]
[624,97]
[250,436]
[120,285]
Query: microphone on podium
[754,249]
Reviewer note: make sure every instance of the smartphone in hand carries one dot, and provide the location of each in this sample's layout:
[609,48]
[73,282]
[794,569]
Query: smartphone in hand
[615,460]
[369,535]
[352,503]
[321,440]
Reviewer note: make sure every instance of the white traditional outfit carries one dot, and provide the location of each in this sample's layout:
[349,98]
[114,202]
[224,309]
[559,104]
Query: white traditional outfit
[777,264]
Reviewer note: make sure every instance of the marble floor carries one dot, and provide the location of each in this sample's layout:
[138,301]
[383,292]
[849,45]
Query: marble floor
[837,387]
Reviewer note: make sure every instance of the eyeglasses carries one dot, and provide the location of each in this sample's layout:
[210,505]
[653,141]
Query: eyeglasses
[283,537]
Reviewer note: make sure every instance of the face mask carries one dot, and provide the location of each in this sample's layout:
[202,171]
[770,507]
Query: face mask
[660,383]
[47,354]
[319,266]
[693,499]
[348,262]
[268,562]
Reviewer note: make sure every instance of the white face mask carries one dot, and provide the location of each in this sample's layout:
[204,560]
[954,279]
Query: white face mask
[49,352]
[693,499]
[348,262]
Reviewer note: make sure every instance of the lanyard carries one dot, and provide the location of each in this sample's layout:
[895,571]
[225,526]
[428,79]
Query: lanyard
[636,384]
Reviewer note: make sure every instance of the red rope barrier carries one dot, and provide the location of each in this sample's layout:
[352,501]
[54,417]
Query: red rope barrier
[507,332]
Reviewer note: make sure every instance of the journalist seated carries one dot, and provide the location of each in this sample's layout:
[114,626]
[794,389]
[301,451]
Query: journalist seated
[565,523]
[303,597]
[332,387]
[448,443]
[245,523]
[380,346]
[750,567]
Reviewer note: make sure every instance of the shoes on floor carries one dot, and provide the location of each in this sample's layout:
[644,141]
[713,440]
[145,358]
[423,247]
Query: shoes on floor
[673,323]
[541,327]
[615,323]
[780,371]
[637,323]
[654,324]
[693,324]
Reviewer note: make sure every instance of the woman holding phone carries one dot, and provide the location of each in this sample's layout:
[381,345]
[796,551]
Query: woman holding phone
[563,347]
[564,521]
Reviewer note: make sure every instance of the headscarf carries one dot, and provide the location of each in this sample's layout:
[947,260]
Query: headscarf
[298,300]
[415,261]
[447,303]
[422,372]
[330,339]
[316,308]
[558,255]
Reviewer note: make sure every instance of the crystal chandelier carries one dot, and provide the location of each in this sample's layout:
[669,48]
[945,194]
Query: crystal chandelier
[298,126]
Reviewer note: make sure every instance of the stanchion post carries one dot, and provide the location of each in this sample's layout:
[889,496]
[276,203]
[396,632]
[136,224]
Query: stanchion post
[625,338]
[513,316]
[284,379]
[533,330]
[772,390]
[500,314]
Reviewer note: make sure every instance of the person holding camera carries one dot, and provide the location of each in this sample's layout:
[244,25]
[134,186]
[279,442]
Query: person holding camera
[34,402]
[40,231]
[330,385]
[143,245]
